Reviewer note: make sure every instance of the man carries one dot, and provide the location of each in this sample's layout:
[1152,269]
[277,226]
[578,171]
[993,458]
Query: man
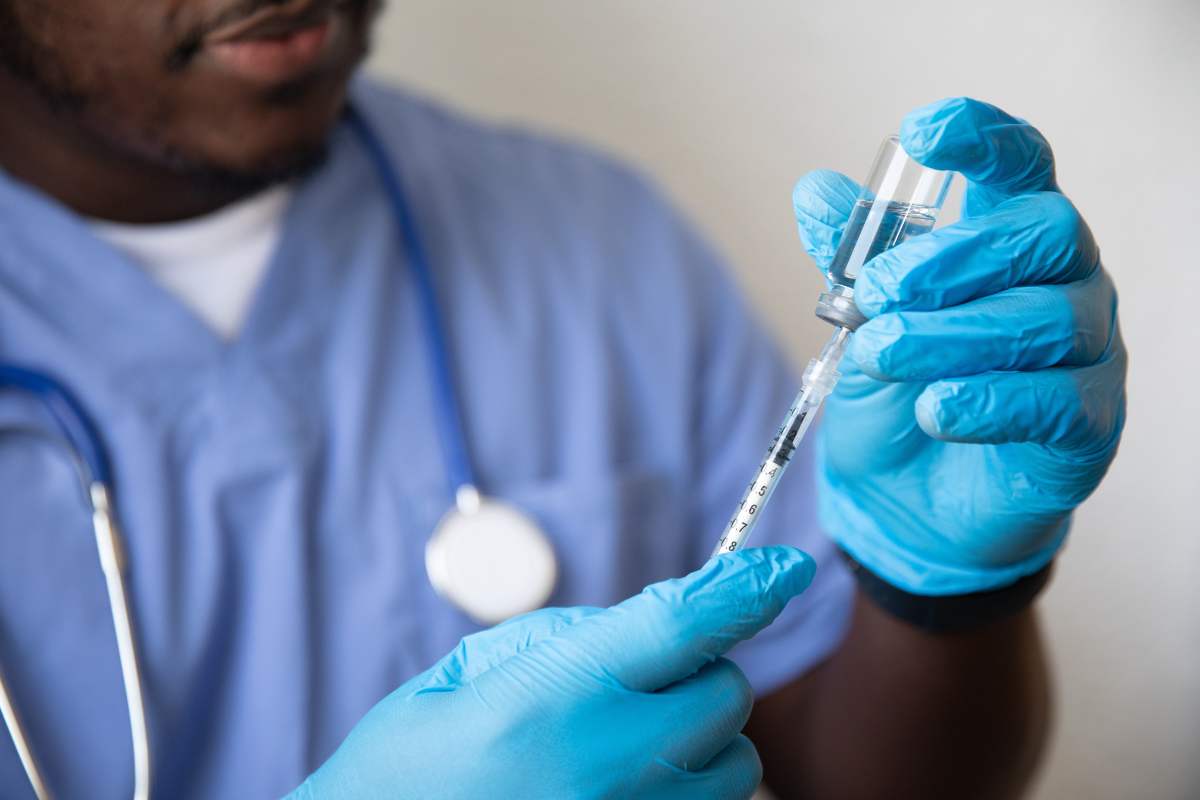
[193,239]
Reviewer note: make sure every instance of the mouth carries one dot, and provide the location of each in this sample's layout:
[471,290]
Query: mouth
[279,42]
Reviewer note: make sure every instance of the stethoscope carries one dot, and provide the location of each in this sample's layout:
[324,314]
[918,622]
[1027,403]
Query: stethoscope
[485,556]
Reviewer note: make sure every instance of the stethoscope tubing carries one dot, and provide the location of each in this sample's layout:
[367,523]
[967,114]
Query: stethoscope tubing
[83,442]
[447,406]
[69,415]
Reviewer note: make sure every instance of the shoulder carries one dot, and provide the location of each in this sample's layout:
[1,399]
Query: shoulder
[552,231]
[552,197]
[460,145]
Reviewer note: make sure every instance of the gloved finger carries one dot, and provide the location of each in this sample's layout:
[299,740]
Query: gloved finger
[1029,328]
[823,200]
[479,652]
[716,702]
[1028,240]
[1000,155]
[675,627]
[1074,408]
[733,774]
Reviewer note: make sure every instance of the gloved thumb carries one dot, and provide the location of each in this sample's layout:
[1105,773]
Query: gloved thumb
[823,200]
[675,627]
[479,652]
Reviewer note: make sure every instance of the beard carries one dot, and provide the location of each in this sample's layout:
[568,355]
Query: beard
[23,56]
[71,96]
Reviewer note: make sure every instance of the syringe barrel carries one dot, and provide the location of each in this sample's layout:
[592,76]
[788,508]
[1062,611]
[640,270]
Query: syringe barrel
[819,379]
[900,198]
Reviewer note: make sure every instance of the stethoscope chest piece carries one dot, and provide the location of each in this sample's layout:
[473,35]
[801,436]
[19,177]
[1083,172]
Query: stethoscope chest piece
[490,559]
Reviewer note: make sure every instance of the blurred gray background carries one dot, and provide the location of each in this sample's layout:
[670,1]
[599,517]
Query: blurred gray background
[726,104]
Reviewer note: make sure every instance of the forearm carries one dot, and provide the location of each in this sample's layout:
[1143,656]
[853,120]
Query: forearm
[897,712]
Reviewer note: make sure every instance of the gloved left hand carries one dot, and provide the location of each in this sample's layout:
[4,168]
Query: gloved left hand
[628,701]
[984,398]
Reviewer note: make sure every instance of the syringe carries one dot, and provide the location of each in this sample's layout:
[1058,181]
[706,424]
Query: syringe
[820,377]
[900,200]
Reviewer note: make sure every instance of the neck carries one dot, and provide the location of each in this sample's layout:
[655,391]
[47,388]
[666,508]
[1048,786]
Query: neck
[53,152]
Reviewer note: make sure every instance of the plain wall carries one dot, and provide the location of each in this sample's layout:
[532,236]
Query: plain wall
[726,104]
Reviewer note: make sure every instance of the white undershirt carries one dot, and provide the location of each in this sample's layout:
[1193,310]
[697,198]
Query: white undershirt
[213,264]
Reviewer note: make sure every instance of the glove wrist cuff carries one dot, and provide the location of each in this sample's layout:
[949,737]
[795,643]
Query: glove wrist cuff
[949,613]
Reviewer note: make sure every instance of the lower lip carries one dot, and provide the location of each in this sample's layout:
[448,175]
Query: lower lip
[275,59]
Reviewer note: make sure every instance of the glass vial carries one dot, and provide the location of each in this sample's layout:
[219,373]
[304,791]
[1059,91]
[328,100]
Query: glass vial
[899,200]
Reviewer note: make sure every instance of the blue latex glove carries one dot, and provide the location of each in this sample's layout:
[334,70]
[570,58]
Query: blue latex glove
[984,398]
[629,701]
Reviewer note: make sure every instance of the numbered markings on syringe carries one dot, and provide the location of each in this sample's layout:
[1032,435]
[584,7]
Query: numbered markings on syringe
[757,491]
[748,509]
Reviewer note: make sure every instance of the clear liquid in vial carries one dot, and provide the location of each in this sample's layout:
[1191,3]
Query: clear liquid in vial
[899,221]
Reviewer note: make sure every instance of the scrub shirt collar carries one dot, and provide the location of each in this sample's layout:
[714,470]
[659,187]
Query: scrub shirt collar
[102,312]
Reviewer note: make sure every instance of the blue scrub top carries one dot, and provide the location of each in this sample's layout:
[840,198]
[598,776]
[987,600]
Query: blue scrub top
[277,491]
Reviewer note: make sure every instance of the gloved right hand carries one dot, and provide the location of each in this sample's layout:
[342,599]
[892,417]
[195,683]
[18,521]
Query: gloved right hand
[985,397]
[628,701]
